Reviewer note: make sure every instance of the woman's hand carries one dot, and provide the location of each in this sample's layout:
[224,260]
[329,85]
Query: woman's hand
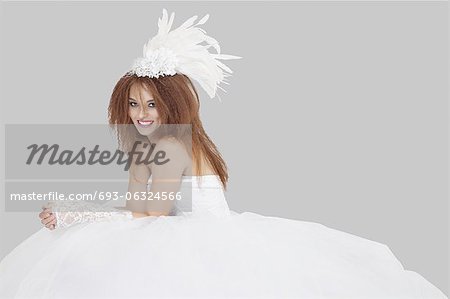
[48,218]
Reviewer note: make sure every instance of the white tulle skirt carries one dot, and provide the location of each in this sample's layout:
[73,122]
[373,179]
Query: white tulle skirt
[242,256]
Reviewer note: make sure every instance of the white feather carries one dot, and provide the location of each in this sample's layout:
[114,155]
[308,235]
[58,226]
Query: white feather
[180,51]
[203,20]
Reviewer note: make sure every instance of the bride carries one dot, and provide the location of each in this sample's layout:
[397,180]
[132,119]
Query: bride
[164,249]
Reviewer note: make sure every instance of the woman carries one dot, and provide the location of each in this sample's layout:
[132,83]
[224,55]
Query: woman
[163,250]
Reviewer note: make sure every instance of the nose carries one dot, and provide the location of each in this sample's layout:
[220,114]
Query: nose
[143,112]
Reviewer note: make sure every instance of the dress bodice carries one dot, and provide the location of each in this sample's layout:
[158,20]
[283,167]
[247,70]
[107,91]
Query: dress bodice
[204,197]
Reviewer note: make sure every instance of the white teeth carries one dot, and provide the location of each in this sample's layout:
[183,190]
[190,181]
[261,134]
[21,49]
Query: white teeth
[145,123]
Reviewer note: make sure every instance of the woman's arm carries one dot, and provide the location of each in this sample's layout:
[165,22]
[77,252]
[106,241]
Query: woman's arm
[66,214]
[166,177]
[139,175]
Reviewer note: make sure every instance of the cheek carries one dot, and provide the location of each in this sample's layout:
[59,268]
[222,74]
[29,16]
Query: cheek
[155,113]
[131,112]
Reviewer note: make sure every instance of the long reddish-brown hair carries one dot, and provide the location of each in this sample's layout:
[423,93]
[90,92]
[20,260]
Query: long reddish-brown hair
[177,102]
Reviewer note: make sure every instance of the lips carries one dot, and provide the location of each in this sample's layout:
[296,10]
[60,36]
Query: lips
[145,123]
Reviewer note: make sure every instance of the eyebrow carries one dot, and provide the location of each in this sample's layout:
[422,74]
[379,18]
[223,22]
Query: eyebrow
[131,99]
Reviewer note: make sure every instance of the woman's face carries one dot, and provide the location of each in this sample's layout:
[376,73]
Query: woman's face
[142,110]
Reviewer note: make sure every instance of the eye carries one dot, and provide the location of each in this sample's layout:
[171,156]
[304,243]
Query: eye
[133,104]
[151,104]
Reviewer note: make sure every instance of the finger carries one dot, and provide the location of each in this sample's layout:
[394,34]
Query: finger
[51,217]
[51,223]
[46,212]
[48,219]
[44,215]
[45,221]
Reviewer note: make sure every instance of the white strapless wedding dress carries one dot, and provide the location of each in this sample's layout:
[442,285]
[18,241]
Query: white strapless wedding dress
[211,252]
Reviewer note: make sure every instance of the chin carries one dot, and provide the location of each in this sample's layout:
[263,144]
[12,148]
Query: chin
[145,131]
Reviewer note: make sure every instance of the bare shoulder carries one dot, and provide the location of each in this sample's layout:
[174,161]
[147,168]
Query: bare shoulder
[139,172]
[171,145]
[173,149]
[170,156]
[140,147]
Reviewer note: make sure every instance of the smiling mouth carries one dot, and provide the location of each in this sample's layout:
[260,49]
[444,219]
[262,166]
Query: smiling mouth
[145,123]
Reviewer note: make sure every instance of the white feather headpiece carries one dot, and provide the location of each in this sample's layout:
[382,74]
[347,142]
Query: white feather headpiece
[179,51]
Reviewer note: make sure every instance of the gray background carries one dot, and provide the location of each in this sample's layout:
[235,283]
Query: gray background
[337,114]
